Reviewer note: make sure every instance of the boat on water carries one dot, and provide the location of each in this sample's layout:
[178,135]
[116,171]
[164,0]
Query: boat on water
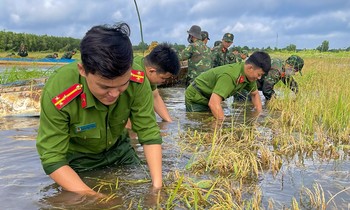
[34,61]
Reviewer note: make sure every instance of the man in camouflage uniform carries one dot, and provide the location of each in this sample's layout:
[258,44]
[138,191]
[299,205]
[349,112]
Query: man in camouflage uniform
[205,37]
[197,54]
[68,55]
[236,55]
[280,70]
[283,71]
[244,55]
[55,55]
[221,54]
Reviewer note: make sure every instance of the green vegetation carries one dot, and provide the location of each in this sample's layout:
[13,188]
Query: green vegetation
[225,165]
[10,42]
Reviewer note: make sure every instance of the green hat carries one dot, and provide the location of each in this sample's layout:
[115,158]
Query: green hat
[228,37]
[205,35]
[217,43]
[245,52]
[195,31]
[295,61]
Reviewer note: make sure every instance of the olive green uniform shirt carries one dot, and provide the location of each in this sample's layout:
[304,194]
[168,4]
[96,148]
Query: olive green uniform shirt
[138,64]
[222,80]
[93,130]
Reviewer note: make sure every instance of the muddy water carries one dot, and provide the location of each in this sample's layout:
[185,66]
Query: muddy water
[23,184]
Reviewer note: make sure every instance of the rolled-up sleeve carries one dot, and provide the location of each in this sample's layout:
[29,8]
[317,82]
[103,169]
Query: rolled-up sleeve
[53,136]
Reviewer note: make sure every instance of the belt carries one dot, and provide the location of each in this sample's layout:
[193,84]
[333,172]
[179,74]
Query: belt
[194,85]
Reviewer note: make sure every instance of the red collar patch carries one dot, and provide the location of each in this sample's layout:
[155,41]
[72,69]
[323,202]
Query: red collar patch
[240,79]
[137,76]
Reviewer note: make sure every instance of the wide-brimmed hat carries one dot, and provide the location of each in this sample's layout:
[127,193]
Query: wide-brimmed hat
[195,31]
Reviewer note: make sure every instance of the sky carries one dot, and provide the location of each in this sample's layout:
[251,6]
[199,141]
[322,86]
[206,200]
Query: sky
[254,23]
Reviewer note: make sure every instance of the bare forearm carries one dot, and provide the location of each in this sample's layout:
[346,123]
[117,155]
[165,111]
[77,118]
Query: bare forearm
[256,101]
[215,106]
[217,112]
[67,178]
[162,111]
[153,154]
[160,107]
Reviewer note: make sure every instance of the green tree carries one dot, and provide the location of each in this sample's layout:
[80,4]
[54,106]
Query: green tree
[291,47]
[324,46]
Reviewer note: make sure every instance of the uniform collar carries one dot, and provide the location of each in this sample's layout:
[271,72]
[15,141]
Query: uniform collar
[91,101]
[242,78]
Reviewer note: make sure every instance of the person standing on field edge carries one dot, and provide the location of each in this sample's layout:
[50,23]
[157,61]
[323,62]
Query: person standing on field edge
[197,54]
[85,107]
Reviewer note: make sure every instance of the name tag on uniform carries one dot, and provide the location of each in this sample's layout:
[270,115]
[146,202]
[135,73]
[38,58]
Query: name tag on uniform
[82,128]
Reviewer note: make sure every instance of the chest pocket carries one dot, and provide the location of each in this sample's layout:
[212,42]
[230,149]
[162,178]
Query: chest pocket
[87,134]
[117,123]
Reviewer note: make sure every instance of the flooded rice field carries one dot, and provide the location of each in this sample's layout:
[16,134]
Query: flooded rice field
[24,185]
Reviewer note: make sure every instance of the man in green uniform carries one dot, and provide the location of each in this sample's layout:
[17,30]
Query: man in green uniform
[244,55]
[281,71]
[22,51]
[220,54]
[55,55]
[197,54]
[159,65]
[215,85]
[85,107]
[68,55]
[205,37]
[235,55]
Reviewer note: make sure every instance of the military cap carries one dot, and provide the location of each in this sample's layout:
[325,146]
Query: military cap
[245,52]
[217,43]
[228,37]
[205,35]
[195,31]
[296,61]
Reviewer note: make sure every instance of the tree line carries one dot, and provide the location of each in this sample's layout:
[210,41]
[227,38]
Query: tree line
[10,42]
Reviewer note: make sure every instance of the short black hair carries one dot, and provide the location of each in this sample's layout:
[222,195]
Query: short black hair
[164,58]
[107,50]
[260,59]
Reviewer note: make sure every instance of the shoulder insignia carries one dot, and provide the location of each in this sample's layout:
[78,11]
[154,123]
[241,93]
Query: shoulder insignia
[240,79]
[137,76]
[67,96]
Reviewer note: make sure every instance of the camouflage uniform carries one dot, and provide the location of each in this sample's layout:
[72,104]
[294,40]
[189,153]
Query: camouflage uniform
[68,55]
[278,72]
[222,56]
[199,59]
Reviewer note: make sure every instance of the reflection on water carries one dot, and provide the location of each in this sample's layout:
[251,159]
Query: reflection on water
[23,184]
